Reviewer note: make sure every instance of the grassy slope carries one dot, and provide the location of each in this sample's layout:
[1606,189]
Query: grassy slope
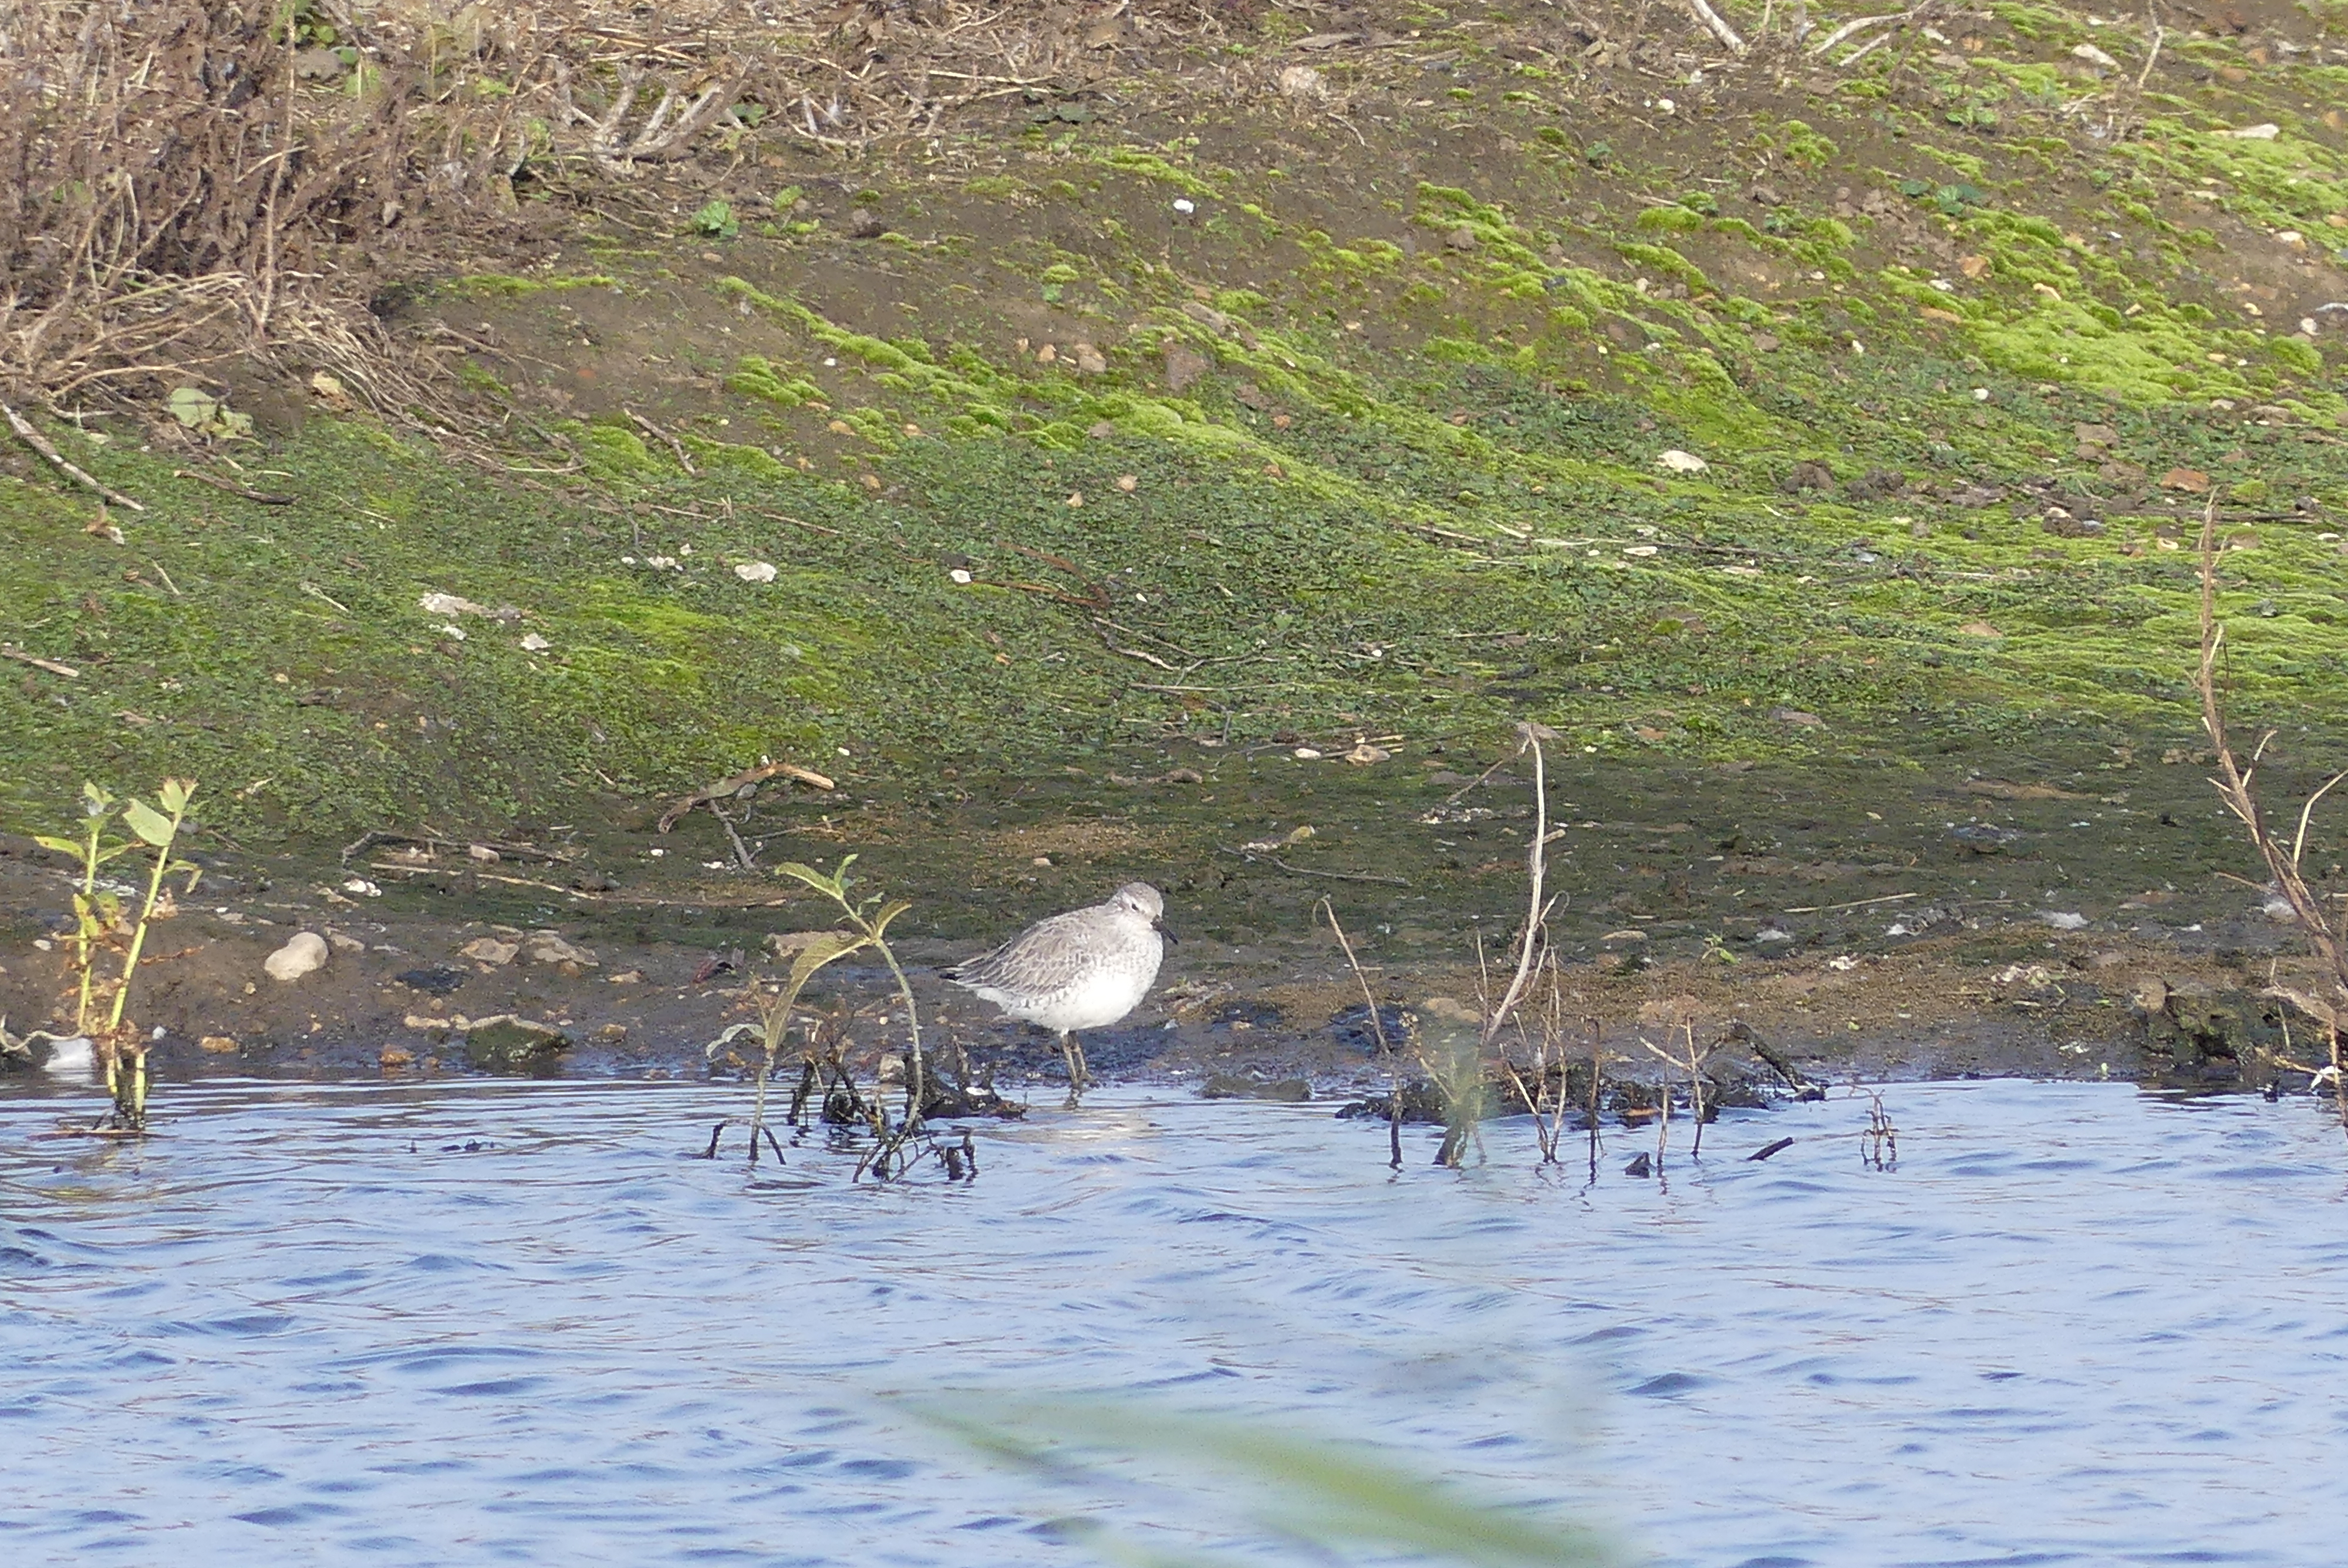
[1416,490]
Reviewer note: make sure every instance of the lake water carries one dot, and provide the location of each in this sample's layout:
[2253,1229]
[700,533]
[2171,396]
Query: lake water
[487,1321]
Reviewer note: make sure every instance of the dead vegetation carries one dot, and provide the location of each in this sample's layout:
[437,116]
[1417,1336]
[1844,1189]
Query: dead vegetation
[190,182]
[2323,1000]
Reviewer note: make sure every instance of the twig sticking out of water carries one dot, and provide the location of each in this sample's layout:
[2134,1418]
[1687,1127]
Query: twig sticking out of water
[1878,1148]
[1377,1027]
[1691,1059]
[1530,737]
[1546,1088]
[2237,786]
[1744,1034]
[1597,1057]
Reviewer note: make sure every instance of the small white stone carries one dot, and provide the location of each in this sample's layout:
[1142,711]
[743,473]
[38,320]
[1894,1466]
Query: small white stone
[70,1058]
[755,571]
[534,643]
[1183,204]
[1680,462]
[303,954]
[959,576]
[2064,919]
[1303,82]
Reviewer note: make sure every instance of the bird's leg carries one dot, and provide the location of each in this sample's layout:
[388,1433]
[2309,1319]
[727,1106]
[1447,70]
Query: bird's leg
[1074,1055]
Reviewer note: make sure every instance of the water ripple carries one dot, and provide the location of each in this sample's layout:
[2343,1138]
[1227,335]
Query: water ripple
[489,1322]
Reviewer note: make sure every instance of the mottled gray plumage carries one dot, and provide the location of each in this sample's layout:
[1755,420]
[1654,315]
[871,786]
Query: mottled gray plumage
[1084,969]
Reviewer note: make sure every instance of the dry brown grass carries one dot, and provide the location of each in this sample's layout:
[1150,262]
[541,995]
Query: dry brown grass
[186,181]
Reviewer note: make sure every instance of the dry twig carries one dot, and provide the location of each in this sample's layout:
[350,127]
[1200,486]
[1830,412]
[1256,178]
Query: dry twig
[30,435]
[2237,786]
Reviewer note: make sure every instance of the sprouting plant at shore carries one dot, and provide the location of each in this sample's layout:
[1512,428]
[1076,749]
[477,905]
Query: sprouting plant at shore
[867,922]
[864,925]
[102,926]
[775,1002]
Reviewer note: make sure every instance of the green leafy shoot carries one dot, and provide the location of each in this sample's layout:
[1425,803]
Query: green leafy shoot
[100,921]
[717,221]
[868,920]
[774,1007]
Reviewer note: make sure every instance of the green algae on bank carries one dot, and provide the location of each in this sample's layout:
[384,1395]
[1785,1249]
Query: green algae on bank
[1367,443]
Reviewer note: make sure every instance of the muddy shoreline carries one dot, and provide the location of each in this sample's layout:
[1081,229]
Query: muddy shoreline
[1239,1012]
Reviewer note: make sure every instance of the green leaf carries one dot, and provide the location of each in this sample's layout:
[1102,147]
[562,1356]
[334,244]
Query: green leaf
[829,947]
[716,221]
[729,1037]
[175,793]
[62,846]
[191,406]
[148,822]
[834,884]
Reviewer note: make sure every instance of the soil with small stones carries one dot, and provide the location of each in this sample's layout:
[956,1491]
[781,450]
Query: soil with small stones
[1247,1015]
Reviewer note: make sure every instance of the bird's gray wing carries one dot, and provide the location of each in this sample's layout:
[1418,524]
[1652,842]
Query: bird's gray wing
[1045,957]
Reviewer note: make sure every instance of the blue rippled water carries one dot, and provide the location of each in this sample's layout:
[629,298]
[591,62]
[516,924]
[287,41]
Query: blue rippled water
[498,1322]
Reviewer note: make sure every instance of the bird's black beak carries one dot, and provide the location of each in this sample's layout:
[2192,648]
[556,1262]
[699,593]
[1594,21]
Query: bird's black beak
[1159,926]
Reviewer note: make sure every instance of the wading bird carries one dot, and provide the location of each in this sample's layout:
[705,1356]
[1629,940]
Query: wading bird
[1083,969]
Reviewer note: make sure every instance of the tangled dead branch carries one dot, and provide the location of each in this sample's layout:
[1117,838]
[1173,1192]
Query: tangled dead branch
[2325,1002]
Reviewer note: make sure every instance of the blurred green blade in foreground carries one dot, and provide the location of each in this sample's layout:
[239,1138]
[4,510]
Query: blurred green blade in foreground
[1310,1489]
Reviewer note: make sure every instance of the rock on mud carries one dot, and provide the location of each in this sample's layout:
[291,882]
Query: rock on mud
[551,948]
[505,1041]
[303,954]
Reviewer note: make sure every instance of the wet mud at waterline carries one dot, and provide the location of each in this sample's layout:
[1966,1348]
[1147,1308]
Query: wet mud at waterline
[1860,922]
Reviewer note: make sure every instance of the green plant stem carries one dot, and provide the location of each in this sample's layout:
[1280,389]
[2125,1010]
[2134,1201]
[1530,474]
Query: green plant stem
[146,913]
[916,1084]
[83,935]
